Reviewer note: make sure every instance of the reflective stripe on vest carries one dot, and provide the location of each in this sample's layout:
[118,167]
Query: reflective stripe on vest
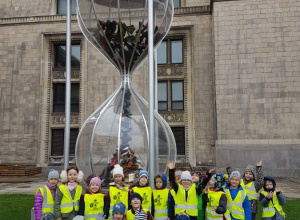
[236,206]
[160,199]
[214,200]
[67,203]
[146,194]
[94,206]
[130,215]
[250,190]
[270,210]
[188,205]
[47,205]
[116,195]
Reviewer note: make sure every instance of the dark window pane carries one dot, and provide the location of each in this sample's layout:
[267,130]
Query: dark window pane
[59,97]
[163,148]
[162,95]
[179,135]
[60,56]
[177,95]
[176,51]
[57,143]
[162,53]
[176,3]
[62,7]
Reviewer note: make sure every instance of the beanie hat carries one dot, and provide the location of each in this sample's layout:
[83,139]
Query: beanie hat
[119,208]
[53,174]
[136,195]
[186,175]
[235,174]
[197,172]
[143,173]
[182,216]
[219,181]
[118,170]
[251,169]
[96,180]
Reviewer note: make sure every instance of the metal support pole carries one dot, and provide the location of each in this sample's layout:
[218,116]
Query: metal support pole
[151,94]
[68,87]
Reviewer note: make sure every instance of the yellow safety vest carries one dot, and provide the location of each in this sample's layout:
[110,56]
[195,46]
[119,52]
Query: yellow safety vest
[116,196]
[47,205]
[130,215]
[160,199]
[270,210]
[182,205]
[250,190]
[235,206]
[146,194]
[67,203]
[214,200]
[94,206]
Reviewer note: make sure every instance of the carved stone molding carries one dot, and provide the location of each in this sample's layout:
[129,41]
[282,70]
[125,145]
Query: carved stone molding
[173,117]
[59,160]
[60,119]
[171,71]
[60,74]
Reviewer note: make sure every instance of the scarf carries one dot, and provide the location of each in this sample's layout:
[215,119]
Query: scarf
[72,186]
[140,214]
[120,186]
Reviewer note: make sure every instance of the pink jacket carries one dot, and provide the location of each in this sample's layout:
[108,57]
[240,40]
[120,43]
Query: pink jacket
[38,201]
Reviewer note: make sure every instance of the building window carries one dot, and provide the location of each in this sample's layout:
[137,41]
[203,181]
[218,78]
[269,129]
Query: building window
[57,142]
[60,56]
[59,97]
[62,7]
[170,52]
[175,89]
[176,3]
[179,134]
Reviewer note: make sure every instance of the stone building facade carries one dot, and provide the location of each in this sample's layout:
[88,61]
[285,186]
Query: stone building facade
[239,72]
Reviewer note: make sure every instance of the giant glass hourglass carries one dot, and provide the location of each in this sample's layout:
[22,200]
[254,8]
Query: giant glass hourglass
[117,131]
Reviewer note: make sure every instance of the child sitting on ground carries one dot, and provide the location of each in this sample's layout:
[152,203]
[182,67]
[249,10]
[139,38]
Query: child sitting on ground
[142,187]
[66,204]
[271,199]
[137,211]
[237,200]
[44,197]
[160,197]
[92,202]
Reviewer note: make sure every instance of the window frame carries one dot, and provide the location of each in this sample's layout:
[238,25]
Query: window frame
[55,57]
[177,101]
[73,132]
[169,51]
[164,102]
[183,141]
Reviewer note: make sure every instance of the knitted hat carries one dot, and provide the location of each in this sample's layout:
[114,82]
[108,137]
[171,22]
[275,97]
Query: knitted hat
[235,174]
[136,195]
[118,170]
[53,174]
[143,173]
[182,216]
[197,172]
[219,181]
[251,169]
[119,208]
[186,175]
[96,180]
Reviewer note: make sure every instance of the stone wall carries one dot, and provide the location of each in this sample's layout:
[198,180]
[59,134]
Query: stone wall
[257,84]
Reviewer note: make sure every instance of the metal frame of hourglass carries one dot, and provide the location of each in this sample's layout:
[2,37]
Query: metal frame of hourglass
[117,132]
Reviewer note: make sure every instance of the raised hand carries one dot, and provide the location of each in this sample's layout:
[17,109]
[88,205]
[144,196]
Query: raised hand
[258,164]
[212,170]
[171,165]
[270,195]
[277,188]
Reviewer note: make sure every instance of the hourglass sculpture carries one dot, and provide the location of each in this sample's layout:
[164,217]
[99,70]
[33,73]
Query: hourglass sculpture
[117,132]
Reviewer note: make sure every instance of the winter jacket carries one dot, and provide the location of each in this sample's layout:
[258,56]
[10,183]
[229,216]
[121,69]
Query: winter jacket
[246,203]
[221,209]
[165,182]
[38,201]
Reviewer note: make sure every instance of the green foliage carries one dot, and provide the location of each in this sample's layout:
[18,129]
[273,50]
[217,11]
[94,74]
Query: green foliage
[16,206]
[291,209]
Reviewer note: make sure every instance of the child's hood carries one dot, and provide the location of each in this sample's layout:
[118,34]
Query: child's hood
[164,179]
[268,178]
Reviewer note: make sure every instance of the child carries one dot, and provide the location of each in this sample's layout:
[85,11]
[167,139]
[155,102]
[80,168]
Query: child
[92,203]
[137,212]
[271,199]
[238,203]
[252,184]
[160,197]
[118,211]
[44,196]
[66,204]
[142,187]
[214,199]
[118,192]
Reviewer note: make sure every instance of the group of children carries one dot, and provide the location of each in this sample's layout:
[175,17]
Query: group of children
[190,197]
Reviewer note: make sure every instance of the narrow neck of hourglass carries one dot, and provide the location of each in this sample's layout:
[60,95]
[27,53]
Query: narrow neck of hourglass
[125,78]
